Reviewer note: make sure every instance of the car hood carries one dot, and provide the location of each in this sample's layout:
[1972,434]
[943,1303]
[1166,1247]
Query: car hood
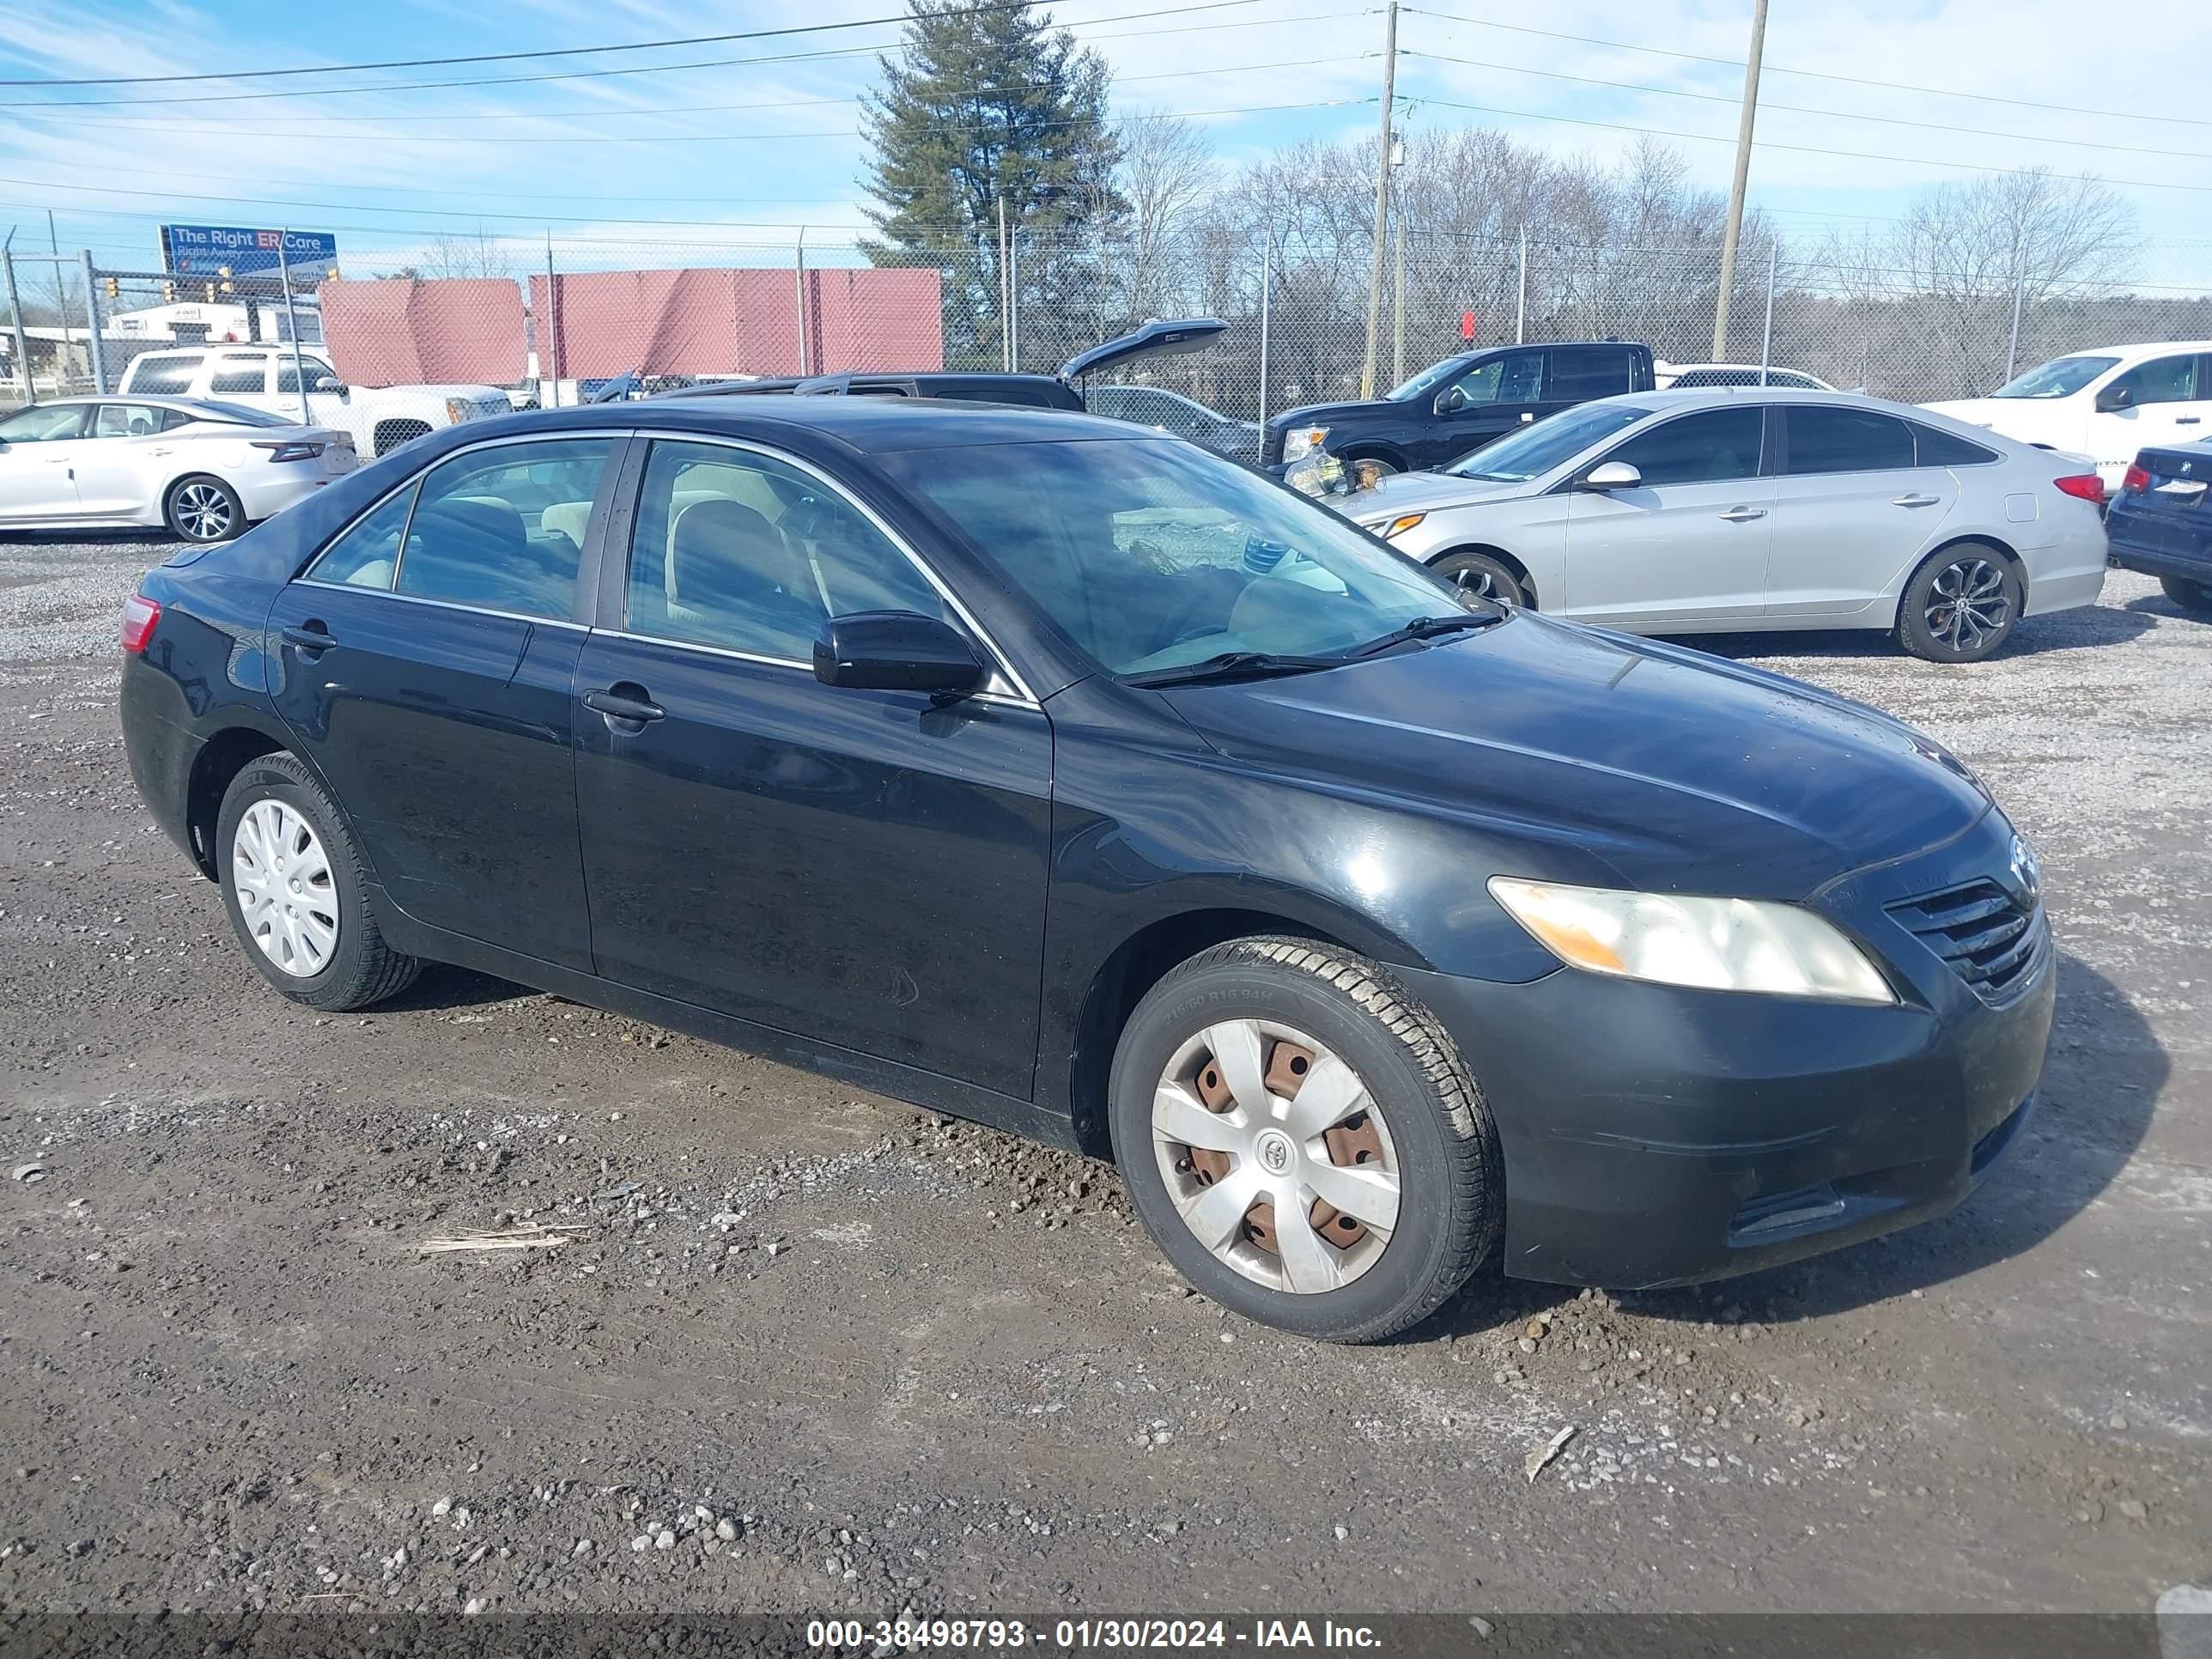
[1588,756]
[1419,492]
[1322,414]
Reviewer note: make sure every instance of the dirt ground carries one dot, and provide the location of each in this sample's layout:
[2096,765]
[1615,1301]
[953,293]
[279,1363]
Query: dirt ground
[817,1353]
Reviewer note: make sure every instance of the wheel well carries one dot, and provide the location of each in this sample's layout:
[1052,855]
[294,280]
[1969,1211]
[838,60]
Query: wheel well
[1374,452]
[390,435]
[1520,570]
[1994,546]
[1141,962]
[223,758]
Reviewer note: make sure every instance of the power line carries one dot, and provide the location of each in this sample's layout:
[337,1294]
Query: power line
[1815,75]
[1802,149]
[1800,109]
[582,74]
[492,57]
[354,125]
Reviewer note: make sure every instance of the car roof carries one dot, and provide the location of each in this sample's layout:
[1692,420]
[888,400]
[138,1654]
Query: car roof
[867,425]
[1698,397]
[2146,348]
[189,405]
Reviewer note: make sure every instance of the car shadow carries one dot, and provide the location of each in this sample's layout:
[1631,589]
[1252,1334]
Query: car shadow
[2157,605]
[2100,1083]
[142,536]
[443,986]
[2062,630]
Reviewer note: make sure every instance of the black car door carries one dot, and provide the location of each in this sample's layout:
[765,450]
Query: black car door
[1491,398]
[425,664]
[863,869]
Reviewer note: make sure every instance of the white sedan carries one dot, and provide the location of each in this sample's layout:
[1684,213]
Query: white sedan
[204,469]
[1757,509]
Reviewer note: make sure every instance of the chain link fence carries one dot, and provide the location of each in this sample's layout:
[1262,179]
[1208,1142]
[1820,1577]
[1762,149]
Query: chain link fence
[554,330]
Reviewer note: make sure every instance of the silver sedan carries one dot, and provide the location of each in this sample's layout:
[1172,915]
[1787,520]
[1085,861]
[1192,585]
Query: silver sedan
[204,469]
[1748,508]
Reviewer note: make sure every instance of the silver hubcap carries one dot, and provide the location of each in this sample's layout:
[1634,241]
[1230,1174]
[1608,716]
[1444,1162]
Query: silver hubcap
[1967,606]
[1475,579]
[285,894]
[203,512]
[1275,1157]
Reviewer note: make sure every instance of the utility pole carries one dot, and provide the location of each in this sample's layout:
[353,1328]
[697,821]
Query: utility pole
[1742,176]
[1398,307]
[1383,202]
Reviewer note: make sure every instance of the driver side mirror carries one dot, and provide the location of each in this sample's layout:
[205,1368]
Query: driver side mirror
[330,382]
[1612,475]
[2115,397]
[896,651]
[1449,399]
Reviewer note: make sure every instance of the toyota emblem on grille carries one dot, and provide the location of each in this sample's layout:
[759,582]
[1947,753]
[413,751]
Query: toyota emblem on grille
[2027,872]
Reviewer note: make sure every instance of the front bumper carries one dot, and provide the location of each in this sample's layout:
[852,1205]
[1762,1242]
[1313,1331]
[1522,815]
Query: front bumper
[1653,1135]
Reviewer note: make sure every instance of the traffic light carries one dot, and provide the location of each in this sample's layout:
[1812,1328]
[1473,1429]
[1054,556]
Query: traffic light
[222,272]
[168,293]
[210,293]
[114,289]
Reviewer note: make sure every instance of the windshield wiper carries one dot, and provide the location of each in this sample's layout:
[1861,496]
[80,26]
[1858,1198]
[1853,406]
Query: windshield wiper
[1233,665]
[1423,628]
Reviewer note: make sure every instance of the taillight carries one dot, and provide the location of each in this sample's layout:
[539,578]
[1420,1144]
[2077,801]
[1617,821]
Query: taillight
[2134,478]
[139,616]
[287,449]
[2086,485]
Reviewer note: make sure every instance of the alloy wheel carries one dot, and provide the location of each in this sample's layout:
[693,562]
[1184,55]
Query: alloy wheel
[1476,580]
[1967,605]
[1275,1157]
[203,512]
[286,896]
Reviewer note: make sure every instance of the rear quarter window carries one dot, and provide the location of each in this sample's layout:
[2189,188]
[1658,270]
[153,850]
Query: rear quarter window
[1947,449]
[171,376]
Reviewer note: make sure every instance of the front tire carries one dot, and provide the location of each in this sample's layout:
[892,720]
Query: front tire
[1961,605]
[297,893]
[1303,1141]
[2189,594]
[1482,575]
[201,508]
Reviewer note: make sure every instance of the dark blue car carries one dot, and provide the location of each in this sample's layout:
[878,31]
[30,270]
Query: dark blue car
[2160,522]
[1061,774]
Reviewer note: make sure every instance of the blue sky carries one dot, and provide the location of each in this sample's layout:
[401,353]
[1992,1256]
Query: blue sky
[640,169]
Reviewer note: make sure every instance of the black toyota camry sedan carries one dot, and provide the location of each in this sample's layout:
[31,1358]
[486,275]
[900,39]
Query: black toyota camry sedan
[1067,777]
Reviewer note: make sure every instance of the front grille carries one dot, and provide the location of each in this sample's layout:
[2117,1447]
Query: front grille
[1987,935]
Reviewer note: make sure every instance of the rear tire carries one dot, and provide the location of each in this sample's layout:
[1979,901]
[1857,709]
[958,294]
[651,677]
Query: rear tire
[201,508]
[2189,594]
[297,890]
[1962,606]
[1393,1128]
[1480,574]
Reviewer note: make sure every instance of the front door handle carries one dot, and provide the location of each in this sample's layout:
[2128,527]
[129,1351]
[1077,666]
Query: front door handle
[1914,500]
[2189,419]
[310,636]
[1743,514]
[626,706]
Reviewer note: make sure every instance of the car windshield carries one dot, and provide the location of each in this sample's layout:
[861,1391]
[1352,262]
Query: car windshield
[1426,381]
[1154,555]
[208,408]
[2061,378]
[1536,449]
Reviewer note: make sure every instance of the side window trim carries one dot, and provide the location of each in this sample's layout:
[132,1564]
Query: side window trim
[622,530]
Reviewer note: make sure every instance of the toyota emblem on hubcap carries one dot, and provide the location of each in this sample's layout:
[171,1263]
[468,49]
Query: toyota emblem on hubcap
[1275,1152]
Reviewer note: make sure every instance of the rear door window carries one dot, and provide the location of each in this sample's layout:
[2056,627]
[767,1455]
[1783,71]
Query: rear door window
[1822,439]
[237,371]
[501,528]
[127,421]
[1580,373]
[368,553]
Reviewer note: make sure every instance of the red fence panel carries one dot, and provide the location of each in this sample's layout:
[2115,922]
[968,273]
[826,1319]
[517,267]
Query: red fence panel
[399,331]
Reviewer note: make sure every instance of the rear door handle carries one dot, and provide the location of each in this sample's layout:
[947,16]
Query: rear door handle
[1743,514]
[616,704]
[1914,500]
[310,636]
[2189,419]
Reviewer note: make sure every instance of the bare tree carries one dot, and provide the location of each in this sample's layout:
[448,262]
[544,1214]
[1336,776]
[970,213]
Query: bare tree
[448,254]
[1167,172]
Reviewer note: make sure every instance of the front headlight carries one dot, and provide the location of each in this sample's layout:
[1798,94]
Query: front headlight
[1714,943]
[1303,442]
[458,409]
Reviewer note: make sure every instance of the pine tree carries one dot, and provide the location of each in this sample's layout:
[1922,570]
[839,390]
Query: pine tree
[983,102]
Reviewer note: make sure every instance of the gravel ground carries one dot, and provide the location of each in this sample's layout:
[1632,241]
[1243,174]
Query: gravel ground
[816,1353]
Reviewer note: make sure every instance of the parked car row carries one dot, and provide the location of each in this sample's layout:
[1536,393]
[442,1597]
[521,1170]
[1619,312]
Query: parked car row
[1055,772]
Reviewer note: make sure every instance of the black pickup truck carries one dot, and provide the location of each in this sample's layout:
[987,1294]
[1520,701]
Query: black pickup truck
[1460,404]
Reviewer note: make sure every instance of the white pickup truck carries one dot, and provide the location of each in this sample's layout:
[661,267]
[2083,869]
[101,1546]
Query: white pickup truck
[381,418]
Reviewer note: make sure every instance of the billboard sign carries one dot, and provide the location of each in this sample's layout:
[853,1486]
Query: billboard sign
[206,250]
